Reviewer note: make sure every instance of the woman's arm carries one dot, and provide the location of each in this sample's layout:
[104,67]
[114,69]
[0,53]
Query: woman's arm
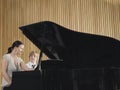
[4,73]
[24,67]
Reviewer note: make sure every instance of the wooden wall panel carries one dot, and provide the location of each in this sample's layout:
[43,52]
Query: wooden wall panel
[0,37]
[90,16]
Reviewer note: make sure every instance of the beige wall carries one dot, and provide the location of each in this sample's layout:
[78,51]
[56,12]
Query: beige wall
[1,14]
[91,16]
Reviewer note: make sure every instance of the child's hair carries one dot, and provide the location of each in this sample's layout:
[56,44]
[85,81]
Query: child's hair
[33,53]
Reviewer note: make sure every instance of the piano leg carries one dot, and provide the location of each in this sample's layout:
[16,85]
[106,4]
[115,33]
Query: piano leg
[110,79]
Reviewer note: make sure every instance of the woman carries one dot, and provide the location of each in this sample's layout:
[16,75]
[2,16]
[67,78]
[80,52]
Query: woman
[11,62]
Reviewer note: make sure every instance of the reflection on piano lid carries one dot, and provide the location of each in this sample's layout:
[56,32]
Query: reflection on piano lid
[76,49]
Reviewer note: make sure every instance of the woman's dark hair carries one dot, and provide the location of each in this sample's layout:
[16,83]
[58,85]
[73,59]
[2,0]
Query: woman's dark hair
[15,44]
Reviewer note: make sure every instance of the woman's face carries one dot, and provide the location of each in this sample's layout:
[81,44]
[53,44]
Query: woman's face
[20,49]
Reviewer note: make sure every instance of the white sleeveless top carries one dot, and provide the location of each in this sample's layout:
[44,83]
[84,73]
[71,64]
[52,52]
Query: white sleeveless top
[11,67]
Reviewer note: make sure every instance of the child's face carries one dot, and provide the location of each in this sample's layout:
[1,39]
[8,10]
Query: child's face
[33,58]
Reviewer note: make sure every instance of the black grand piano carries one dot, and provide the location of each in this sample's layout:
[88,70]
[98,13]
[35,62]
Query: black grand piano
[77,60]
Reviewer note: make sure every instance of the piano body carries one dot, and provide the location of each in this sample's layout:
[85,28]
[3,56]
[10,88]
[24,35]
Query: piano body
[77,61]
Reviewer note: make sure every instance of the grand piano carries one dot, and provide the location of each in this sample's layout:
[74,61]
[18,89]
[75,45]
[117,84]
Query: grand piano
[76,60]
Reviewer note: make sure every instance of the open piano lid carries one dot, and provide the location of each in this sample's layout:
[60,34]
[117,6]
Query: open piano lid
[45,35]
[75,48]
